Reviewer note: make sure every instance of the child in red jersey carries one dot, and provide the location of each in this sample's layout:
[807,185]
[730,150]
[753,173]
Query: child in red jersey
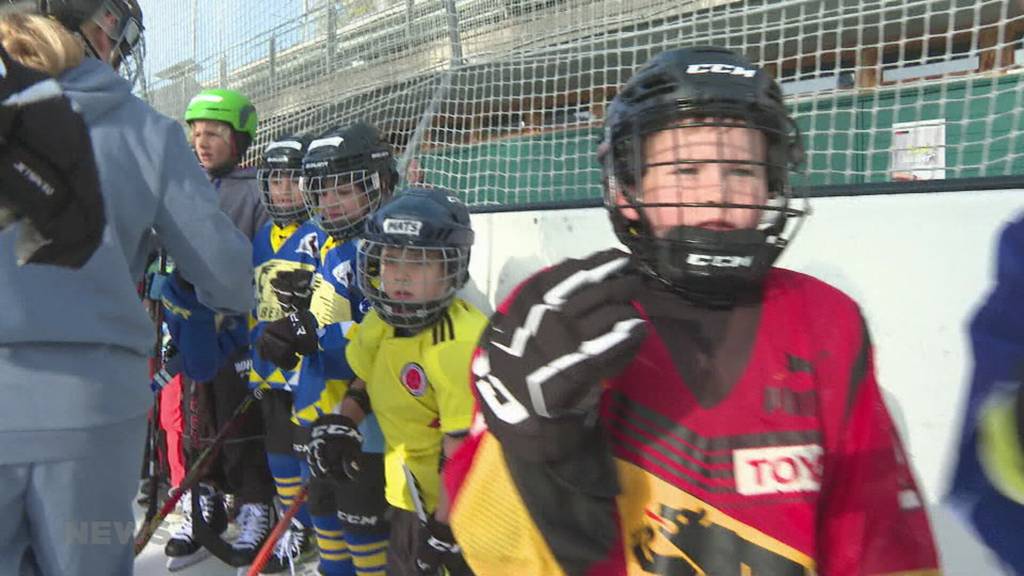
[686,408]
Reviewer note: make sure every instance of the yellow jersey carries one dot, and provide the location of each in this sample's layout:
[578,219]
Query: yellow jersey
[419,389]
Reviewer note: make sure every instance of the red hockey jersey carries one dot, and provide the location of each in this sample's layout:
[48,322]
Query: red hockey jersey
[797,471]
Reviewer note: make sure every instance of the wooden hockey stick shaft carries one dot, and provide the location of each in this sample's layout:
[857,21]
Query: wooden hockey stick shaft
[194,474]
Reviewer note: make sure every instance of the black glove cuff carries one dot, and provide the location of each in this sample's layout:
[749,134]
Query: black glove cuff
[360,397]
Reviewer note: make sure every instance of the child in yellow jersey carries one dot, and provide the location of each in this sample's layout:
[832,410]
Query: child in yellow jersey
[411,355]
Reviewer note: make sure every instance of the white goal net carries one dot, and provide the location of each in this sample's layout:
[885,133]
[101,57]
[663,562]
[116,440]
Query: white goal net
[502,100]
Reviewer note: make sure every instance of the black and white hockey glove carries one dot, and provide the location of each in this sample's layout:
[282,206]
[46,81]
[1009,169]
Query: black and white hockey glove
[541,362]
[48,177]
[285,339]
[293,289]
[335,448]
[437,548]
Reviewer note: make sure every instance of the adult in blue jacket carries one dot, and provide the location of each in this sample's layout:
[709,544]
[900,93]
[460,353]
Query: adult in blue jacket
[74,343]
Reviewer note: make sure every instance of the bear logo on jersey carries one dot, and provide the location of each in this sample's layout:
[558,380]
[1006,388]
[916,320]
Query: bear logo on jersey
[414,379]
[308,246]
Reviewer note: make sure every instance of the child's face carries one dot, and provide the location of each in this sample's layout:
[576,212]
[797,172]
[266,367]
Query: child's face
[703,165]
[284,189]
[343,203]
[412,274]
[212,142]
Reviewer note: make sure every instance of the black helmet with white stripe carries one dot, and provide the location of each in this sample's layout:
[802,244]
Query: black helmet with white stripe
[279,175]
[346,174]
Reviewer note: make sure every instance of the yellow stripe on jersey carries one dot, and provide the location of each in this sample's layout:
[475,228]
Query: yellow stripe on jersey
[999,448]
[492,524]
[280,234]
[419,389]
[327,306]
[332,395]
[667,515]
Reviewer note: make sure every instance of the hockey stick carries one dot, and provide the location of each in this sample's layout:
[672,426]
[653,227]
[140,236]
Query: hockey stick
[282,526]
[414,490]
[158,361]
[192,478]
[154,460]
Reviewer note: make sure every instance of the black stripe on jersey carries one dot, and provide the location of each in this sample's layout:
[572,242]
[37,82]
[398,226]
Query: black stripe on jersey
[673,468]
[859,369]
[451,325]
[709,465]
[623,404]
[444,329]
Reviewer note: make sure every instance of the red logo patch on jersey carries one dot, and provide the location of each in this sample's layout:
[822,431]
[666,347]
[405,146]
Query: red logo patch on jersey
[778,469]
[414,378]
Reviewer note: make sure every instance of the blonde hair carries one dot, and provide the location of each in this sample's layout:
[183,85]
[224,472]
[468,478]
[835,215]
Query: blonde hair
[39,42]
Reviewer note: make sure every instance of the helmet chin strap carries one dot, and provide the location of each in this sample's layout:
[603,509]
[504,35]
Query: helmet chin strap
[90,49]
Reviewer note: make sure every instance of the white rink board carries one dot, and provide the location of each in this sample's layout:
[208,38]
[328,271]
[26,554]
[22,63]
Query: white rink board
[919,264]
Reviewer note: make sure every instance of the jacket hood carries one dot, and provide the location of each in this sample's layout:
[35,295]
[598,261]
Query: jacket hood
[95,88]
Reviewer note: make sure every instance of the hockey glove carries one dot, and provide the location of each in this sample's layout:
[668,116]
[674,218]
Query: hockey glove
[285,339]
[48,174]
[541,362]
[437,548]
[335,448]
[293,289]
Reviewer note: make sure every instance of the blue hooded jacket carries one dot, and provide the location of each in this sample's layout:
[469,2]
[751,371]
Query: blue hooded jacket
[74,343]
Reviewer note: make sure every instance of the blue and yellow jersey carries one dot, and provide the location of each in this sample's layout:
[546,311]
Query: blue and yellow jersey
[276,249]
[336,304]
[419,389]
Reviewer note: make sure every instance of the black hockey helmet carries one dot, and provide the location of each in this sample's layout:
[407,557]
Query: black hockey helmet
[120,20]
[282,162]
[346,174]
[699,88]
[414,256]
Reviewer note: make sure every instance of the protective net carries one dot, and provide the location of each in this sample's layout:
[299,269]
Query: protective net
[502,100]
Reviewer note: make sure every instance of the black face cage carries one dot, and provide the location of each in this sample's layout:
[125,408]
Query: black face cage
[410,287]
[282,214]
[692,256]
[340,202]
[627,165]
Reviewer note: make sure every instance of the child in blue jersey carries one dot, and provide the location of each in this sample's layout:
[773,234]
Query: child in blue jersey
[347,172]
[286,253]
[988,486]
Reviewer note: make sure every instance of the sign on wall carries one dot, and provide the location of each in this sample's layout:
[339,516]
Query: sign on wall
[918,150]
